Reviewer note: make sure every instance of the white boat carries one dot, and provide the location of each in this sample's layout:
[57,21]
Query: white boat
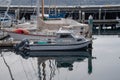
[6,22]
[47,29]
[30,36]
[65,40]
[41,28]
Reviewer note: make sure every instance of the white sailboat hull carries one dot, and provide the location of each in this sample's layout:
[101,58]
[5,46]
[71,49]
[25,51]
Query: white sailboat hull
[20,37]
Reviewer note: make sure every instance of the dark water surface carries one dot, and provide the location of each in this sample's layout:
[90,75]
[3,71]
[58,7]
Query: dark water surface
[102,64]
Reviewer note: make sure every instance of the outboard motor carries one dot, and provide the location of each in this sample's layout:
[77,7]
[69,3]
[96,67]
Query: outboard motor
[21,45]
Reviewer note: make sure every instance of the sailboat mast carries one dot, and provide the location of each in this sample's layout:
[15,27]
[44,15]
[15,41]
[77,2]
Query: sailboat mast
[42,1]
[38,8]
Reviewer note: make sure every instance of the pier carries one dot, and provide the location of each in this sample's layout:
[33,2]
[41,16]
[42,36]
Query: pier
[100,13]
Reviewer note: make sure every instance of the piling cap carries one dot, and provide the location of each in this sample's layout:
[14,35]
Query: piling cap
[90,17]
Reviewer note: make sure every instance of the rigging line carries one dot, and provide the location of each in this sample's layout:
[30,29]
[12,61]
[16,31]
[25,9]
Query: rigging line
[24,69]
[35,9]
[9,2]
[7,9]
[8,67]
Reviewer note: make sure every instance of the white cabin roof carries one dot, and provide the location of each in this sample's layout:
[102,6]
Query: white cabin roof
[63,32]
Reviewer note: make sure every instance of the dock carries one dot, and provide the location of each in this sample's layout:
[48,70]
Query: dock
[100,13]
[8,43]
[108,21]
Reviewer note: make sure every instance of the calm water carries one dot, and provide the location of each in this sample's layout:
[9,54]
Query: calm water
[102,64]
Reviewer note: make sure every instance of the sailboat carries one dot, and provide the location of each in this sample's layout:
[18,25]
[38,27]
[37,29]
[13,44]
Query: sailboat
[46,29]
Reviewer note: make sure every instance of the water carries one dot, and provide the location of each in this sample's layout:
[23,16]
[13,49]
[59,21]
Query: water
[102,64]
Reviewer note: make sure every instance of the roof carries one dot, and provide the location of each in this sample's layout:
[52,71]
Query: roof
[63,32]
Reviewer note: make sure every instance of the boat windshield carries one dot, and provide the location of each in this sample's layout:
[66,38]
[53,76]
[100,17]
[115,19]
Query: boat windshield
[65,36]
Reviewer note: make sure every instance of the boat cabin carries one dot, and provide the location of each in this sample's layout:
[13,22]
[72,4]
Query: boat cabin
[65,36]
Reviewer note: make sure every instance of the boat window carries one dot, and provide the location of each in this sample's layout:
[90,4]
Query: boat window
[65,36]
[79,39]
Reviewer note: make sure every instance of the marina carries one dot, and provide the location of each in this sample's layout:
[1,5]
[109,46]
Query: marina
[101,13]
[59,42]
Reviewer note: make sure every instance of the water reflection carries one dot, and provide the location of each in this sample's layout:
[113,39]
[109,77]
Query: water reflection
[119,36]
[4,60]
[56,61]
[71,65]
[49,63]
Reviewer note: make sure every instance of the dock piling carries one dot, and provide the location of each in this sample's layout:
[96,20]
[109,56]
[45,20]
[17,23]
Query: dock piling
[83,17]
[90,22]
[79,15]
[99,19]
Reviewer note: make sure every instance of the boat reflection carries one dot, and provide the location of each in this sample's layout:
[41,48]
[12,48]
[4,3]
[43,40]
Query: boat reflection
[57,60]
[49,63]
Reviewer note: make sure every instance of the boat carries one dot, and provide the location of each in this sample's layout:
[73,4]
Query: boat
[6,22]
[64,40]
[3,35]
[45,28]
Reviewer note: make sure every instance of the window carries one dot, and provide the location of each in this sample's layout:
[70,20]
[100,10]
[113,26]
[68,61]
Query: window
[65,36]
[79,39]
